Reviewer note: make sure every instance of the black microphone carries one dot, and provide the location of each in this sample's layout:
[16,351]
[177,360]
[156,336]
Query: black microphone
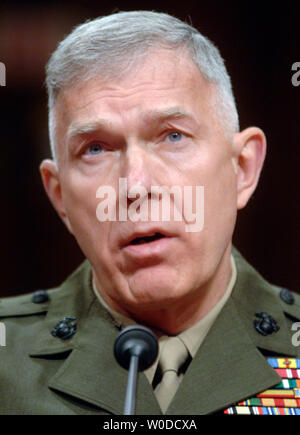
[135,349]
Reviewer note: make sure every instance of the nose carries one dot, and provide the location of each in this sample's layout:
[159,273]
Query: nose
[137,166]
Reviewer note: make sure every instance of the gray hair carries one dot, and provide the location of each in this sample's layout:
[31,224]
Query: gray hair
[110,46]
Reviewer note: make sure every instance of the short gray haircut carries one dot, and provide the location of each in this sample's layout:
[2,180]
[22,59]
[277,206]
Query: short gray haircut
[109,47]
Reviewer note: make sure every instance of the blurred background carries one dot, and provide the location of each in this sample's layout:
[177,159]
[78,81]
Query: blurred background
[259,43]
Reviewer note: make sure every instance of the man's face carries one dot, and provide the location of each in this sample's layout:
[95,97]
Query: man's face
[157,126]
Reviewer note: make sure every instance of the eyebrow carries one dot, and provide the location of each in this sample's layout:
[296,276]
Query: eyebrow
[156,115]
[81,128]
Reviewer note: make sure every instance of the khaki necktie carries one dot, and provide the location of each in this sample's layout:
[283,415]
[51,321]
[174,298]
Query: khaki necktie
[173,355]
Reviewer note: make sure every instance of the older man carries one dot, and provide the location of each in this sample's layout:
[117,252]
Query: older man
[140,99]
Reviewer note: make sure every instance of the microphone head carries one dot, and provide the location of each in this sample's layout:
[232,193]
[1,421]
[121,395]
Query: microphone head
[136,341]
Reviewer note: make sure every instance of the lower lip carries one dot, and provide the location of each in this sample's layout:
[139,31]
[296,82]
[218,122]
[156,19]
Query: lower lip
[151,249]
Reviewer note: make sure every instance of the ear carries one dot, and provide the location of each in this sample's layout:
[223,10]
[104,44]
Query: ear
[250,152]
[51,182]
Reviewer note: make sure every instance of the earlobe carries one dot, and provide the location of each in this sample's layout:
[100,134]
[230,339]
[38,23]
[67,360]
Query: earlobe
[250,149]
[51,183]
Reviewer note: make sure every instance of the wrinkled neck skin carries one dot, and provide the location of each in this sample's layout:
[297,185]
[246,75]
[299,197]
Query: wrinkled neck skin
[181,314]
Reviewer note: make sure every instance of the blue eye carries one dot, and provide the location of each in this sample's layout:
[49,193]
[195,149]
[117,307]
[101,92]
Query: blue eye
[95,149]
[175,136]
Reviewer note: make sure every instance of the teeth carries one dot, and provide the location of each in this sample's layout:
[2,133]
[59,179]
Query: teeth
[147,239]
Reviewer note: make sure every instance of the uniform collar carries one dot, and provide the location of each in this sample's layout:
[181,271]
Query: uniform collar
[253,294]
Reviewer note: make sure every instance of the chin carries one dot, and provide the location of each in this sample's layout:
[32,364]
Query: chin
[154,291]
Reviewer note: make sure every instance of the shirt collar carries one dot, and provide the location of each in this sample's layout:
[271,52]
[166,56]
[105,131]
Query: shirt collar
[194,336]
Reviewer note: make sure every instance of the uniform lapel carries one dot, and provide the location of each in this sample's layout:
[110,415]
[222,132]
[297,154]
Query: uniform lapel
[230,365]
[88,371]
[92,374]
[226,369]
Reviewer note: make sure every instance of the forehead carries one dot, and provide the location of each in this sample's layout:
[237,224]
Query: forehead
[165,80]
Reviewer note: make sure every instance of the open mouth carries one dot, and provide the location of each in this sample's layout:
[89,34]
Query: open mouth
[146,239]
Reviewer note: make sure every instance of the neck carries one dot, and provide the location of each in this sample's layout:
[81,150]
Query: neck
[183,314]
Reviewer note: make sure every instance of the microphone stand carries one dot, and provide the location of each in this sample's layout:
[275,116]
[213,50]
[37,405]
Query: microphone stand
[129,406]
[135,349]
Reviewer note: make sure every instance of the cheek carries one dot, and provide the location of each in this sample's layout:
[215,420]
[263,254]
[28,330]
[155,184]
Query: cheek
[216,173]
[220,205]
[220,194]
[80,203]
[91,235]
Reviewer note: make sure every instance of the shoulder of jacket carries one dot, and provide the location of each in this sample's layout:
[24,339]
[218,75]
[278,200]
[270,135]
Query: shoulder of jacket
[41,301]
[27,304]
[289,300]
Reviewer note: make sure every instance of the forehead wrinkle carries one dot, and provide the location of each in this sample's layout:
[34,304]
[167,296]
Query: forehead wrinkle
[170,112]
[79,128]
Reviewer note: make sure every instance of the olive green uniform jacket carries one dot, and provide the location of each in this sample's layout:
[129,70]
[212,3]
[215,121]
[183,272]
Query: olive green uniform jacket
[44,374]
